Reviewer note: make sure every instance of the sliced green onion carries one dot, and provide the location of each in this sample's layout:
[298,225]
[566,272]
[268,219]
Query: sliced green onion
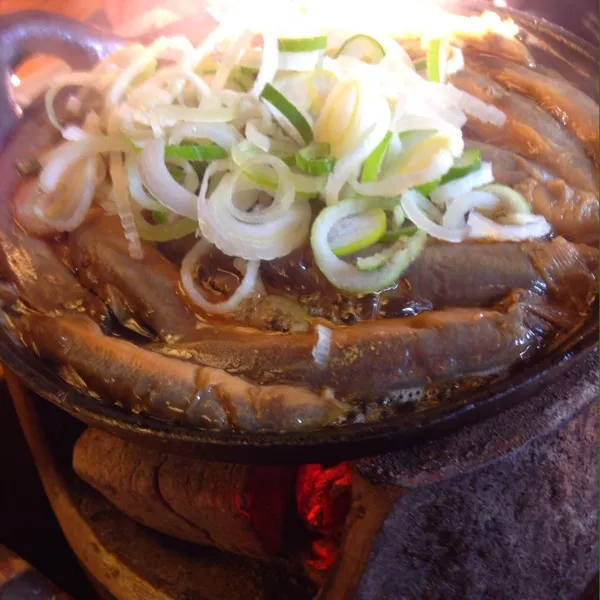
[164,232]
[375,261]
[159,217]
[315,159]
[426,188]
[176,173]
[419,155]
[395,234]
[372,166]
[346,276]
[470,161]
[357,232]
[240,80]
[302,44]
[420,65]
[260,179]
[265,181]
[145,74]
[437,58]
[197,152]
[414,137]
[250,71]
[398,216]
[513,201]
[306,186]
[274,97]
[363,47]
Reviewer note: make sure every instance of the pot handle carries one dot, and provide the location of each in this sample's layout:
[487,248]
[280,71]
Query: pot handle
[25,34]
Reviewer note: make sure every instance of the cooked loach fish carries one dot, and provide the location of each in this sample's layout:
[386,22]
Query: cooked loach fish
[568,105]
[529,131]
[572,211]
[146,289]
[146,382]
[469,274]
[434,346]
[375,357]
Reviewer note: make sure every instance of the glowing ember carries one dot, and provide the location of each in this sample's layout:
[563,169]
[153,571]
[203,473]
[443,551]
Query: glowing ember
[323,497]
[324,553]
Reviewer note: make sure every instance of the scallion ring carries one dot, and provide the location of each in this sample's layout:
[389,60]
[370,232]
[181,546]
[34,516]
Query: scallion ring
[437,59]
[372,166]
[315,159]
[276,99]
[197,152]
[346,276]
[302,44]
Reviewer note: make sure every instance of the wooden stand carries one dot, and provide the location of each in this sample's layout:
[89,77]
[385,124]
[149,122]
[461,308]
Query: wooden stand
[508,505]
[127,561]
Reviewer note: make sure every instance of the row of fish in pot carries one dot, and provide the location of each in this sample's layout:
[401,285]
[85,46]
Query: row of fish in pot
[125,330]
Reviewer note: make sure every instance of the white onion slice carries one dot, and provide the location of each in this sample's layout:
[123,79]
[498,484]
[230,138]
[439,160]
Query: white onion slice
[284,194]
[121,194]
[456,62]
[70,203]
[448,113]
[419,122]
[269,64]
[482,227]
[171,75]
[72,78]
[295,87]
[140,101]
[395,184]
[215,166]
[455,216]
[414,205]
[159,182]
[322,348]
[299,61]
[60,159]
[136,187]
[168,115]
[305,185]
[285,124]
[445,193]
[392,156]
[255,135]
[191,181]
[264,241]
[244,290]
[393,50]
[137,66]
[222,134]
[352,161]
[229,60]
[470,104]
[208,44]
[72,133]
